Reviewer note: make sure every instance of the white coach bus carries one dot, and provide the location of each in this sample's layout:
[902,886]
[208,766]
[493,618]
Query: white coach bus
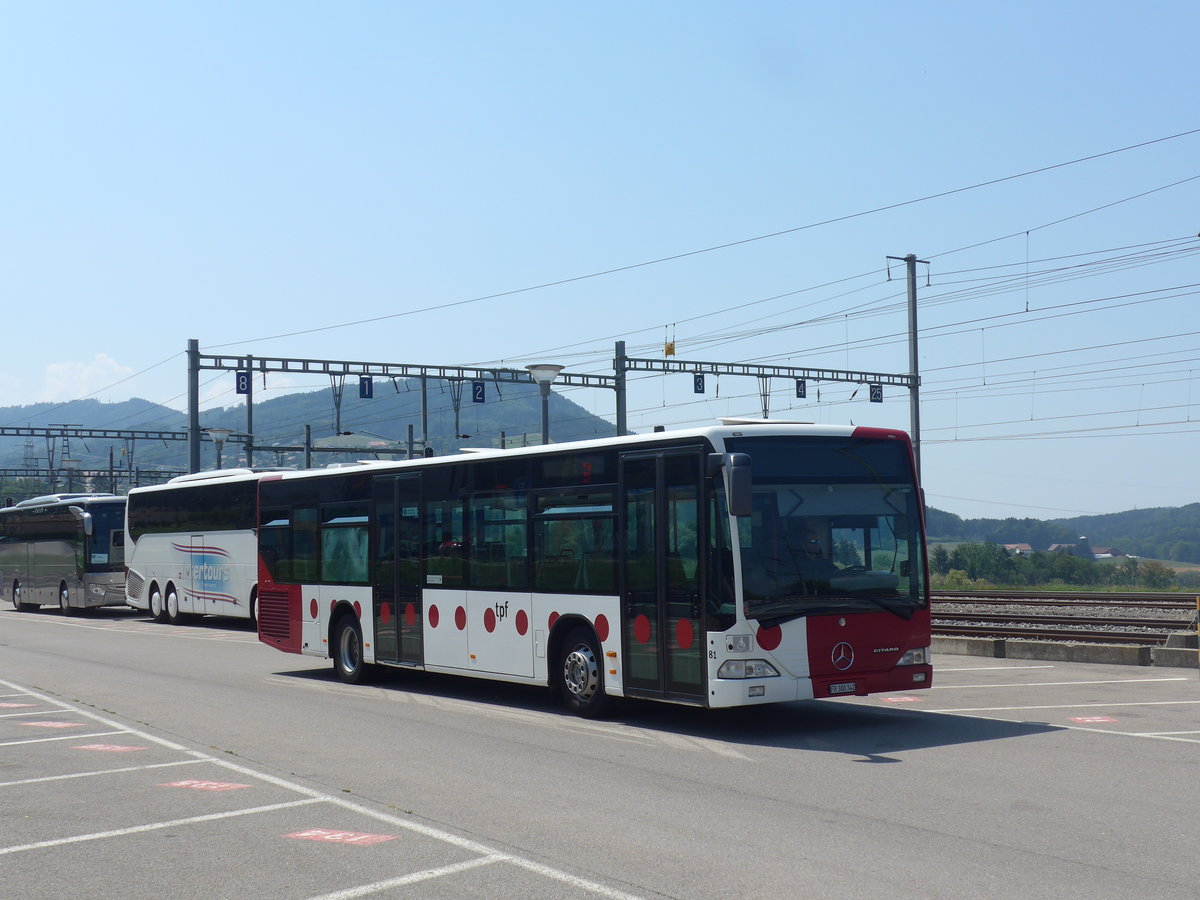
[191,546]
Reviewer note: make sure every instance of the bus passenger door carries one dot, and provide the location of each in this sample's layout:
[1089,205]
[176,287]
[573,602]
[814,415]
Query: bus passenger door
[660,574]
[396,574]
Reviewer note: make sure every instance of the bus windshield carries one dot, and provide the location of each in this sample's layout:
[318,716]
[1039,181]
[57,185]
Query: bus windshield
[835,528]
[106,544]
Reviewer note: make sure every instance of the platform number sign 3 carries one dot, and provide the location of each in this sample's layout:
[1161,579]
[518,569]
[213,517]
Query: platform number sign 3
[698,383]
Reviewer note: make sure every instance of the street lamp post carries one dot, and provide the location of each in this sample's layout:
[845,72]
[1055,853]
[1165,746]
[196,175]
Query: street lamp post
[544,374]
[219,437]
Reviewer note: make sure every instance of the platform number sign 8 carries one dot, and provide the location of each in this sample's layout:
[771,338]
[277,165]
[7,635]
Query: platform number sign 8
[242,382]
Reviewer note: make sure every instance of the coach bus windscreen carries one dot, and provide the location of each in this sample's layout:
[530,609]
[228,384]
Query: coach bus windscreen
[835,528]
[106,544]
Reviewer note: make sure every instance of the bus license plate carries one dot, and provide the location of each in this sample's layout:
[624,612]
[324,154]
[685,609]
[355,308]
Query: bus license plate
[842,687]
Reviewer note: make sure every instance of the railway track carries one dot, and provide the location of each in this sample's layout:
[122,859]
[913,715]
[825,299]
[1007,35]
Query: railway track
[1110,618]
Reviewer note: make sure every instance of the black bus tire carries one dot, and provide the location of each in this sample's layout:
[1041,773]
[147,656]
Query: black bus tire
[348,650]
[581,675]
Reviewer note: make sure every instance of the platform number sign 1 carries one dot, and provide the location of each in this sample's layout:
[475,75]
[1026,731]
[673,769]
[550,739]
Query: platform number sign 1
[477,394]
[801,388]
[366,387]
[698,383]
[242,381]
[876,392]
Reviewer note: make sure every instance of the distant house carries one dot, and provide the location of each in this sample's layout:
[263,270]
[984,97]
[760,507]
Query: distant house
[1106,553]
[1085,550]
[1018,549]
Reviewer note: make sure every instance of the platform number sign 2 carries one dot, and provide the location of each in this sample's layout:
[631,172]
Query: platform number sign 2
[477,395]
[698,383]
[366,387]
[242,381]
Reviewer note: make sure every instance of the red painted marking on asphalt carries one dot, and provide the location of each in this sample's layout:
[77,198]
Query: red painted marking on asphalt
[205,785]
[1092,720]
[108,748]
[340,837]
[53,724]
[901,699]
[14,705]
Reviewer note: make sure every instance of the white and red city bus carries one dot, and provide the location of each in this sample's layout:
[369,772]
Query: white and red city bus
[191,548]
[725,566]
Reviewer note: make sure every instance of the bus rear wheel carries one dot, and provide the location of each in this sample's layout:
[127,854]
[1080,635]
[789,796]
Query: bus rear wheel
[18,602]
[581,678]
[155,605]
[64,599]
[348,651]
[171,607]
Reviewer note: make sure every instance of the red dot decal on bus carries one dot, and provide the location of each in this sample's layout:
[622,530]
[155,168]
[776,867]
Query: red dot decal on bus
[770,638]
[357,609]
[332,606]
[433,616]
[552,620]
[522,622]
[489,619]
[410,614]
[313,609]
[385,613]
[641,630]
[460,619]
[684,634]
[602,627]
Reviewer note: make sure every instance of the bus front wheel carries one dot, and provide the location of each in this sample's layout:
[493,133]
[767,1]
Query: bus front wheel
[64,599]
[581,679]
[348,651]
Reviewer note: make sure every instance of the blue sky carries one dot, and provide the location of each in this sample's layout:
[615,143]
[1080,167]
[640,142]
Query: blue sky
[234,172]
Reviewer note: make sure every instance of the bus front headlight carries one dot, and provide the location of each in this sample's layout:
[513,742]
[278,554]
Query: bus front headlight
[917,656]
[747,668]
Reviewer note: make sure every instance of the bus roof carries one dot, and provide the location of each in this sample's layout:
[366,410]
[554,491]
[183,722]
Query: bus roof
[56,499]
[728,428]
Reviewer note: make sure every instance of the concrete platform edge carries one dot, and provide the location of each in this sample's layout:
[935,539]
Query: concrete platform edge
[1109,654]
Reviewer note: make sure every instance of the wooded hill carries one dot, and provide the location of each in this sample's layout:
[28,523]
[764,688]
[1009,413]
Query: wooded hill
[1168,533]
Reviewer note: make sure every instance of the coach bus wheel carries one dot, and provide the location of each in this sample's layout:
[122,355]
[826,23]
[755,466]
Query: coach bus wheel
[348,650]
[581,680]
[16,599]
[64,599]
[155,606]
[174,616]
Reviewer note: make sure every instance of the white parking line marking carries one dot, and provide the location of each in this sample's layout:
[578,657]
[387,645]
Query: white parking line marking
[156,826]
[968,709]
[960,687]
[62,737]
[404,880]
[182,762]
[312,796]
[988,668]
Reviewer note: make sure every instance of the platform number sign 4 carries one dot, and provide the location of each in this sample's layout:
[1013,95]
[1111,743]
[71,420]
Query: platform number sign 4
[801,388]
[242,381]
[698,383]
[477,394]
[876,393]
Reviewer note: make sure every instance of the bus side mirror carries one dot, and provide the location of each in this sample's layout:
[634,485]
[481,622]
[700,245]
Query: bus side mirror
[737,480]
[84,518]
